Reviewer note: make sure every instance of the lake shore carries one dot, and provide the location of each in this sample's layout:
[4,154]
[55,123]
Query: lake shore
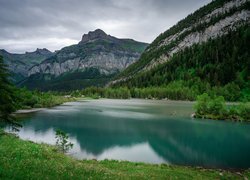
[32,110]
[45,162]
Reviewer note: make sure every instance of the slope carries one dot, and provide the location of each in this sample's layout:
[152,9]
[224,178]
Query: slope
[104,54]
[207,51]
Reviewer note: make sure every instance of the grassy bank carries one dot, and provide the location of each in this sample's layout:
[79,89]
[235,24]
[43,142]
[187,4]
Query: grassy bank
[26,160]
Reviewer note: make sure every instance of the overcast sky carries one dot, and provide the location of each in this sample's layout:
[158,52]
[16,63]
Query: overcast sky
[29,24]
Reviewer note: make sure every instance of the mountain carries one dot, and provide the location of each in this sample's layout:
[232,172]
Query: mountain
[208,50]
[19,64]
[93,61]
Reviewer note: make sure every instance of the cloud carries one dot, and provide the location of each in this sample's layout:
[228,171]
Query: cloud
[53,24]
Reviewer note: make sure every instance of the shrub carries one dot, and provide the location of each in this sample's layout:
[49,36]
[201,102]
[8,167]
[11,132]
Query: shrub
[62,141]
[215,108]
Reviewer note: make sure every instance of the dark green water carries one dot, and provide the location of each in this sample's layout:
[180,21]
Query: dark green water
[143,130]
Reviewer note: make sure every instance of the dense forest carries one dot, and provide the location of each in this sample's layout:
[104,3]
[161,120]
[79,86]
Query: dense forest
[218,67]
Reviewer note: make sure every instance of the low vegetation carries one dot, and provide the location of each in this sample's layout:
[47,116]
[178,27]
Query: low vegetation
[36,99]
[177,90]
[215,108]
[62,141]
[26,160]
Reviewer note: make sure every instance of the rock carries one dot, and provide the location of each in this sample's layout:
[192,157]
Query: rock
[93,35]
[96,49]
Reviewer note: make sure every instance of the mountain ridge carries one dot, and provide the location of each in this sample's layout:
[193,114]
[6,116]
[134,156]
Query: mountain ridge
[93,35]
[92,43]
[19,64]
[96,51]
[209,22]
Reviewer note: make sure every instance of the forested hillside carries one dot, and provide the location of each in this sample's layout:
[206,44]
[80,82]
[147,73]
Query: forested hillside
[221,66]
[192,59]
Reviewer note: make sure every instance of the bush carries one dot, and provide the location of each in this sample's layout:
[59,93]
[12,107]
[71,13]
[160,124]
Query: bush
[62,141]
[245,111]
[215,108]
[36,99]
[38,106]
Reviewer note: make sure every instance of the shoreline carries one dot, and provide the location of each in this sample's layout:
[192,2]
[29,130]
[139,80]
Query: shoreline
[33,110]
[26,111]
[111,169]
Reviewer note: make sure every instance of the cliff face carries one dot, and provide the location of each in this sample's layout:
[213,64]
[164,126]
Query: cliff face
[96,59]
[94,35]
[97,50]
[210,22]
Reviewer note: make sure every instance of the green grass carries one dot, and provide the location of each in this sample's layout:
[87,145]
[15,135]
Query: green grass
[26,160]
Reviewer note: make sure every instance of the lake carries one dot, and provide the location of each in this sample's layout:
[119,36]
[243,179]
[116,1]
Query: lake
[148,131]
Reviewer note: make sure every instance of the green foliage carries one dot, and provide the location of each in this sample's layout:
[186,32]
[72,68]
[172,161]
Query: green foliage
[244,111]
[207,107]
[118,93]
[7,96]
[36,99]
[174,91]
[62,141]
[202,107]
[215,108]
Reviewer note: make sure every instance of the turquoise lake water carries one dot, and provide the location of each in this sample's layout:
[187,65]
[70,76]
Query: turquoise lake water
[142,131]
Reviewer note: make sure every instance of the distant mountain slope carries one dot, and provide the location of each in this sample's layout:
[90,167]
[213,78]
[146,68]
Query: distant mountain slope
[208,49]
[104,54]
[209,22]
[19,64]
[67,81]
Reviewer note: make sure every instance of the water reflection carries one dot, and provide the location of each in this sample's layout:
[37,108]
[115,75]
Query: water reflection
[146,131]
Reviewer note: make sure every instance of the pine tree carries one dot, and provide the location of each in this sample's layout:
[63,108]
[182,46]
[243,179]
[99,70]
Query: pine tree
[7,97]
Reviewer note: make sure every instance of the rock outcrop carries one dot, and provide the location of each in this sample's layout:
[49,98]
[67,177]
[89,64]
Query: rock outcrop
[94,35]
[96,49]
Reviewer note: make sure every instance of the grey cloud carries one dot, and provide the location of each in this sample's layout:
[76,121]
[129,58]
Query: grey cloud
[28,24]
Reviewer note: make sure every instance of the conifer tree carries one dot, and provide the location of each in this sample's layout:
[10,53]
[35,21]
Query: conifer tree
[7,96]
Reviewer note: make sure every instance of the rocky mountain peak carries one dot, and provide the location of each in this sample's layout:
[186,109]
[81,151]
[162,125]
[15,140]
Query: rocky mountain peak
[93,35]
[42,51]
[2,51]
[39,51]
